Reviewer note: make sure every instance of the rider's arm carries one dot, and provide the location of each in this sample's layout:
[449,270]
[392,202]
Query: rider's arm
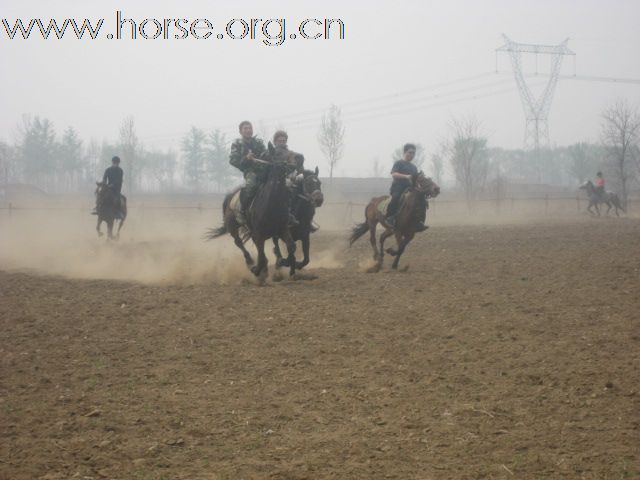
[400,176]
[259,150]
[236,157]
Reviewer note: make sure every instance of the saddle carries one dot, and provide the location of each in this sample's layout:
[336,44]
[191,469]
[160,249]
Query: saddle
[383,206]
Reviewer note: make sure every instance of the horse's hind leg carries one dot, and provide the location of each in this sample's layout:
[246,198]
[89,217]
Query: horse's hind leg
[372,239]
[376,268]
[238,241]
[98,226]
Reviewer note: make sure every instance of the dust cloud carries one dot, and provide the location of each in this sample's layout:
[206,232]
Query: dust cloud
[154,248]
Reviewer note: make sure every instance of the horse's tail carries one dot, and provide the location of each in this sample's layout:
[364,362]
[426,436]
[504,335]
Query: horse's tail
[618,203]
[216,232]
[358,231]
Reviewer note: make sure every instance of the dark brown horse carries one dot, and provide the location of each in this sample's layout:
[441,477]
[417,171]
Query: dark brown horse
[267,217]
[610,199]
[414,204]
[307,197]
[108,210]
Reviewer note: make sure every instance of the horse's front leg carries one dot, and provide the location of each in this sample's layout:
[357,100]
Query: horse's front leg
[291,252]
[305,251]
[110,229]
[280,262]
[119,228]
[261,266]
[98,226]
[402,244]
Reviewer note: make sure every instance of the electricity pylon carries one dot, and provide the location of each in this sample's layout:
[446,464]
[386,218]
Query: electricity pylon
[536,110]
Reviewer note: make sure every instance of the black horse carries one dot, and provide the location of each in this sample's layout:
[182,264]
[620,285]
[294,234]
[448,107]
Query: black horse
[267,217]
[306,198]
[109,209]
[610,199]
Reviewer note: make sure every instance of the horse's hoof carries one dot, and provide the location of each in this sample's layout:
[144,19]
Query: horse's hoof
[374,269]
[255,271]
[100,234]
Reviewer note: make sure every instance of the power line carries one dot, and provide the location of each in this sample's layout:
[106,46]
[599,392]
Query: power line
[319,111]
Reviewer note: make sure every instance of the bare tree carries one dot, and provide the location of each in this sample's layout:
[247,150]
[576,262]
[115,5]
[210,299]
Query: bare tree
[129,145]
[377,168]
[331,137]
[437,167]
[467,151]
[620,135]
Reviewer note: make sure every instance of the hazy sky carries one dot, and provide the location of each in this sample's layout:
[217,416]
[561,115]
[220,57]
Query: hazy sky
[390,47]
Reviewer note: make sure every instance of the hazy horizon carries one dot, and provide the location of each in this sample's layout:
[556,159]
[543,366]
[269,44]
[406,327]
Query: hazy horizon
[389,48]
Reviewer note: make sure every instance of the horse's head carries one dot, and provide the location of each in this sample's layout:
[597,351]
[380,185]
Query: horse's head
[425,185]
[586,185]
[312,187]
[277,171]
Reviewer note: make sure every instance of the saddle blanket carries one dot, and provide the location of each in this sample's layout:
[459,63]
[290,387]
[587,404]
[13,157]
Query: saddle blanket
[383,205]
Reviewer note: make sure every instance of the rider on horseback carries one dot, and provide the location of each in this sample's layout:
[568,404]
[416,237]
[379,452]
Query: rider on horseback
[599,185]
[402,172]
[295,165]
[244,153]
[112,179]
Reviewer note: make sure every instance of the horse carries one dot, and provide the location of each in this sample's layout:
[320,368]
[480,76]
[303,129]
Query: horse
[108,211]
[267,217]
[414,204]
[610,199]
[307,197]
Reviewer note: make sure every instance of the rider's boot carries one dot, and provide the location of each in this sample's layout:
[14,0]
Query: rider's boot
[421,227]
[244,201]
[293,221]
[391,220]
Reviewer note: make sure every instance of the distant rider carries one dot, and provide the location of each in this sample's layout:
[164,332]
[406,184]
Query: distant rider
[112,179]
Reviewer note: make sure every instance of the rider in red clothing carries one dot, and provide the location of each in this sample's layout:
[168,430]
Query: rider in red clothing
[599,184]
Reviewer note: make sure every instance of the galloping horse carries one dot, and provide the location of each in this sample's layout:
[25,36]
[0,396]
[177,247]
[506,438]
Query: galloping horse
[108,210]
[610,199]
[308,197]
[267,217]
[413,205]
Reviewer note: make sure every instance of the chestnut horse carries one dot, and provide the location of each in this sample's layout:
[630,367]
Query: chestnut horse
[414,204]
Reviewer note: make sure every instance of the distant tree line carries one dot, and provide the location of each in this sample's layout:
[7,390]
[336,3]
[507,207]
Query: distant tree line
[65,163]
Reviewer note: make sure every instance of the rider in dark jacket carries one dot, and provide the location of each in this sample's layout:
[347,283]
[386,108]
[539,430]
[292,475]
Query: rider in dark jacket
[112,179]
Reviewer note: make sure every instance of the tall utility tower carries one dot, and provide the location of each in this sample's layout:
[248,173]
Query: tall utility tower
[536,110]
